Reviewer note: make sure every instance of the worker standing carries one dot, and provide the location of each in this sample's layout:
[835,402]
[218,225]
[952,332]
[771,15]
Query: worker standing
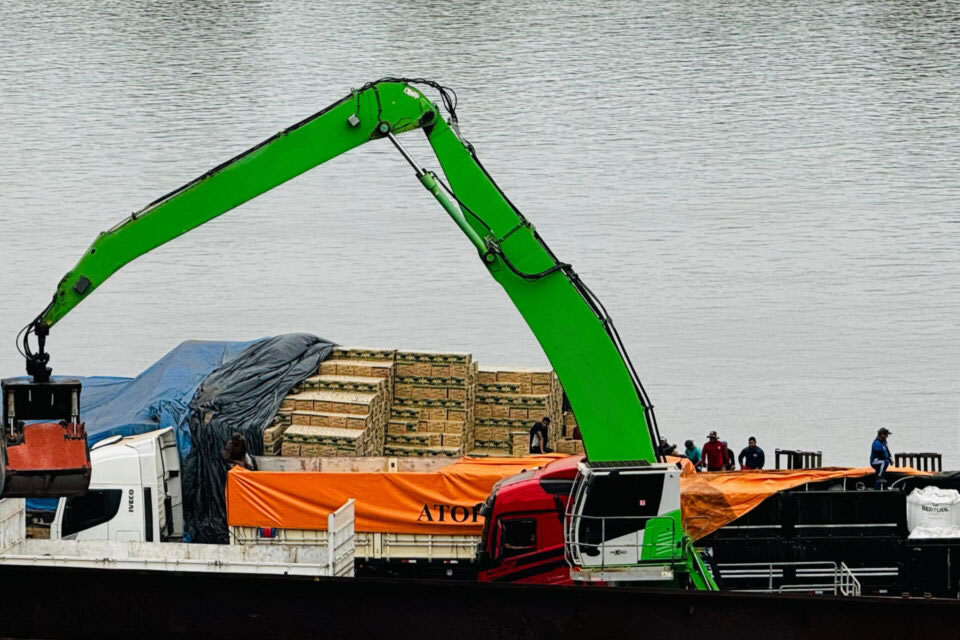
[880,457]
[667,449]
[715,453]
[235,452]
[731,464]
[538,436]
[692,452]
[751,457]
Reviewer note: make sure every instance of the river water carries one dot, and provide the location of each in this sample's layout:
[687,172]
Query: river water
[764,194]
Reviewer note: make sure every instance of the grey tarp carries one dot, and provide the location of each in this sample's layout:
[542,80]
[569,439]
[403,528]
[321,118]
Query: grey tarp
[241,396]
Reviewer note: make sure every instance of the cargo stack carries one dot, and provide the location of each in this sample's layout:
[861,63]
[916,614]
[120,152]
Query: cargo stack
[343,410]
[567,443]
[273,435]
[509,401]
[433,404]
[351,364]
[372,402]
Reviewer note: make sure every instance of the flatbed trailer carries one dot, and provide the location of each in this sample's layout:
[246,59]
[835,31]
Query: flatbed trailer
[432,533]
[111,555]
[401,555]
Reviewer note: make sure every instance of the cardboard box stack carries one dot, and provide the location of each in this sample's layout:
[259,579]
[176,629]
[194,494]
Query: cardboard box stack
[341,411]
[566,443]
[433,404]
[273,435]
[371,402]
[509,401]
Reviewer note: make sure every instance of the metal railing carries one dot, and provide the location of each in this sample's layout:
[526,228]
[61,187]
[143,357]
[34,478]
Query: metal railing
[663,549]
[812,577]
[919,461]
[796,459]
[849,585]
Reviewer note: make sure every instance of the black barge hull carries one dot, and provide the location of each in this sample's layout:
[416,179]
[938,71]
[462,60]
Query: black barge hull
[42,602]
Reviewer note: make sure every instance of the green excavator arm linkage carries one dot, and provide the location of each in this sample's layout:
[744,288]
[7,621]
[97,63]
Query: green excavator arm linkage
[615,418]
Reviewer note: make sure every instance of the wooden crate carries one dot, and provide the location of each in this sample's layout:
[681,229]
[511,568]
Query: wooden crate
[350,402]
[453,440]
[570,446]
[322,435]
[321,451]
[361,384]
[434,363]
[517,425]
[363,353]
[409,439]
[520,443]
[335,420]
[273,439]
[361,368]
[411,451]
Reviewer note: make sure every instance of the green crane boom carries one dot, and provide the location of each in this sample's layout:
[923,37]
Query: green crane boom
[615,418]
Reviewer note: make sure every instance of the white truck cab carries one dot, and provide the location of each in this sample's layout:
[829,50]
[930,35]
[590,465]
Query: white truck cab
[623,522]
[134,496]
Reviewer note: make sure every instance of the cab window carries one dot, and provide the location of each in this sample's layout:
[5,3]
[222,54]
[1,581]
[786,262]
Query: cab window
[517,536]
[92,508]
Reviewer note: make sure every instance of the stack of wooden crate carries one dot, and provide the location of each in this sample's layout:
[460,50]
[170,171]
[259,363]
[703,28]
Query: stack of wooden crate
[433,404]
[273,435]
[566,443]
[509,401]
[343,410]
[369,402]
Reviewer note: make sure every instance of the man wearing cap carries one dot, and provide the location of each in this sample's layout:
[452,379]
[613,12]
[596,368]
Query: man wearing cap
[880,457]
[714,453]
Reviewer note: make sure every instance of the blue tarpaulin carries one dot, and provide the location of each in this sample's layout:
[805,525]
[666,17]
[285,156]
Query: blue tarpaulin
[206,391]
[157,398]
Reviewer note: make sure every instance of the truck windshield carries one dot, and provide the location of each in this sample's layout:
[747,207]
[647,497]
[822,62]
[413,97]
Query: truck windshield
[92,508]
[518,536]
[616,504]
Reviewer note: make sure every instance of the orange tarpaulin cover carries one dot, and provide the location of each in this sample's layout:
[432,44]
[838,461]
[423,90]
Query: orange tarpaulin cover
[445,501]
[712,500]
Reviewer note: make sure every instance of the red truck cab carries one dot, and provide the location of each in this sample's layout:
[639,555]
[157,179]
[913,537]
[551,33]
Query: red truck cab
[522,538]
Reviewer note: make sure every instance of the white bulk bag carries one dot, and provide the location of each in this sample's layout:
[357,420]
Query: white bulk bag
[935,532]
[933,507]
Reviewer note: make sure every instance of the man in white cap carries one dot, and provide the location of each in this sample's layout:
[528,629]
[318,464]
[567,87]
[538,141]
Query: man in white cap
[880,457]
[714,453]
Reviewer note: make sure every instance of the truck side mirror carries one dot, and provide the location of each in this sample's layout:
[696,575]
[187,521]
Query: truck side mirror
[483,559]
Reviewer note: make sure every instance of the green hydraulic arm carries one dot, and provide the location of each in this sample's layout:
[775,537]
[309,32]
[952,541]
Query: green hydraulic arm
[615,417]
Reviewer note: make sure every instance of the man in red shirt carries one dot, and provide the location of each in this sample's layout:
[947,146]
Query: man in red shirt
[714,453]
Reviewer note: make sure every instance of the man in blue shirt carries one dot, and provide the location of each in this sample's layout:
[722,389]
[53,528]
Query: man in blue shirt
[880,457]
[751,457]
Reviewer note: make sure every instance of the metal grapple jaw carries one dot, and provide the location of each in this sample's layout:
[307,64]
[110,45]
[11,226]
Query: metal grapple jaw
[43,449]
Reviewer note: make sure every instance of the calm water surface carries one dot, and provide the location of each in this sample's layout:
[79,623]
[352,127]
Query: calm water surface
[765,195]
